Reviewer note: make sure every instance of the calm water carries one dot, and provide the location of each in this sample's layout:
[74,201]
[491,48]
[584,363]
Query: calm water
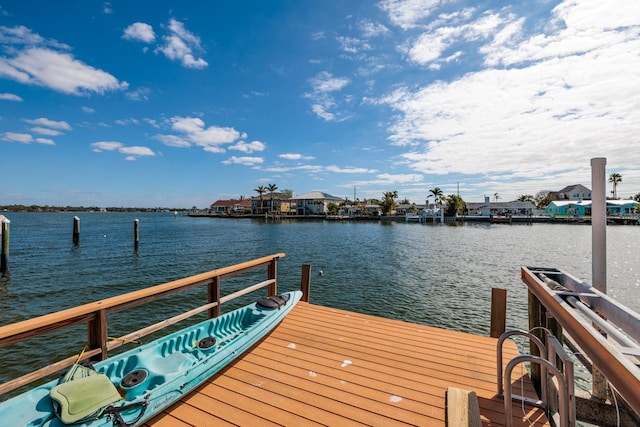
[439,275]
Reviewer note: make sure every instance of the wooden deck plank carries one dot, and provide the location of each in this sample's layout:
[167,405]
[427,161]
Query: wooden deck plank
[324,366]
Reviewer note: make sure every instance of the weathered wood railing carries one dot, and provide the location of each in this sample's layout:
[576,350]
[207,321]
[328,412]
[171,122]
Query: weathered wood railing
[94,314]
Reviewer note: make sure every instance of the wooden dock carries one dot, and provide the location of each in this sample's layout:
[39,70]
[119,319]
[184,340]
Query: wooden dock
[323,366]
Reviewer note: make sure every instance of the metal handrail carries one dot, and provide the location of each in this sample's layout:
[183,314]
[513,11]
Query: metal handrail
[541,348]
[563,395]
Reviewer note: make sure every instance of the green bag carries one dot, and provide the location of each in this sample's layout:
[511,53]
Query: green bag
[84,396]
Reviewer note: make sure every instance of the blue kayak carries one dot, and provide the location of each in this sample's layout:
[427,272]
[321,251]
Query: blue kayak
[132,387]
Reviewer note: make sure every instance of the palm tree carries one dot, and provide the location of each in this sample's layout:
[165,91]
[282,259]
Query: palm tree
[271,188]
[496,196]
[389,201]
[615,179]
[437,195]
[260,190]
[455,205]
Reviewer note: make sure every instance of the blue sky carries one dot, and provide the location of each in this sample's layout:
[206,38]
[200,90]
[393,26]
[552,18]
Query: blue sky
[178,104]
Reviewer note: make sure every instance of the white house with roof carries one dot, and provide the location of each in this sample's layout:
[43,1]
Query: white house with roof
[314,203]
[573,192]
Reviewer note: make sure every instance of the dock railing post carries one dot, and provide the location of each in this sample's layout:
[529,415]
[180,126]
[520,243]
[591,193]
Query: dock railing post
[305,282]
[4,257]
[97,335]
[213,292]
[273,275]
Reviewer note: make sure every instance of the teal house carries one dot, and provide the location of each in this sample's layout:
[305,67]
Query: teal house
[583,207]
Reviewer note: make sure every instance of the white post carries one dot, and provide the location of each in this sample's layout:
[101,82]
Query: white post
[599,224]
[598,253]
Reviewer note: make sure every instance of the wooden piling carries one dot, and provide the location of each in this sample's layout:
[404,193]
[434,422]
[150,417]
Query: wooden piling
[498,312]
[136,233]
[4,257]
[305,283]
[76,230]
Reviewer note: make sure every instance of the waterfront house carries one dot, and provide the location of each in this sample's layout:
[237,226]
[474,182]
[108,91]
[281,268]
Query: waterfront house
[500,208]
[360,210]
[408,208]
[569,207]
[583,207]
[572,192]
[231,206]
[313,203]
[271,202]
[621,207]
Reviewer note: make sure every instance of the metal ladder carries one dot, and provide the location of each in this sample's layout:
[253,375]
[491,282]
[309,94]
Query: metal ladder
[557,391]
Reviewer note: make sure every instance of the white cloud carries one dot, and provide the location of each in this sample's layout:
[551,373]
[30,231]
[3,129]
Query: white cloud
[180,45]
[88,110]
[372,29]
[173,141]
[139,31]
[127,122]
[45,141]
[23,138]
[432,44]
[295,156]
[408,14]
[23,36]
[140,94]
[566,99]
[324,85]
[352,45]
[387,179]
[10,97]
[45,131]
[137,151]
[53,124]
[337,169]
[194,132]
[132,152]
[246,161]
[248,147]
[57,71]
[106,146]
[324,82]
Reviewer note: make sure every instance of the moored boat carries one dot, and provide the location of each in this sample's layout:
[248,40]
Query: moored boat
[129,388]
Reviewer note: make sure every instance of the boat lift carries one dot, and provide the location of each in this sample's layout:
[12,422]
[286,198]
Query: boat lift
[604,331]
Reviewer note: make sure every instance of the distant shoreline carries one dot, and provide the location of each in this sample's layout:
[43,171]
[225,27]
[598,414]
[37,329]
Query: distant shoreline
[521,219]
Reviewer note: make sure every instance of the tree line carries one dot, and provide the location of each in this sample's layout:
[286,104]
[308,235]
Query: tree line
[453,204]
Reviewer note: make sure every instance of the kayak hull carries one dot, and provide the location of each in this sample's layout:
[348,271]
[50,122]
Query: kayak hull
[157,374]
